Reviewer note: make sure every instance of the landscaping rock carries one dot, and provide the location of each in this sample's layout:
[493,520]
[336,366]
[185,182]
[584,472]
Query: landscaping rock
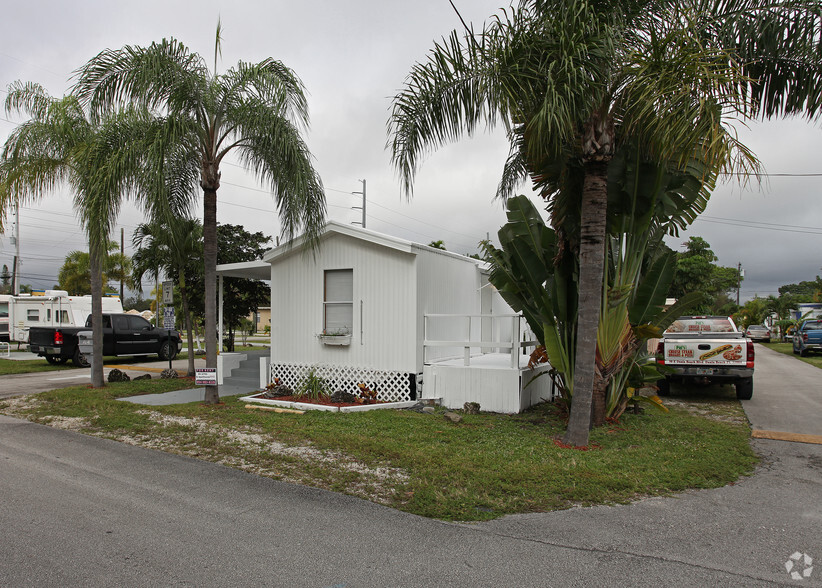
[116,375]
[453,417]
[471,407]
[429,409]
[342,396]
[143,377]
[169,374]
[277,391]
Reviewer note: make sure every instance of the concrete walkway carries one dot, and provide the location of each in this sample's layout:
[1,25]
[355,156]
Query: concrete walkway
[243,380]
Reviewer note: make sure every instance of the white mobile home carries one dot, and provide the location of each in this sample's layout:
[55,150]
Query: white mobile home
[414,321]
[4,317]
[55,308]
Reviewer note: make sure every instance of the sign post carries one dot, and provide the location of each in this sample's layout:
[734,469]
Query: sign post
[168,312]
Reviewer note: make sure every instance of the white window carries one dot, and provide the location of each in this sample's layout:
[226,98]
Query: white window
[338,302]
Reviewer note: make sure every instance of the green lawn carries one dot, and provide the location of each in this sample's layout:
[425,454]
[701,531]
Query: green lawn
[484,467]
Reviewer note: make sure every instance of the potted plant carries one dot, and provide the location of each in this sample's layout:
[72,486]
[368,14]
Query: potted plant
[335,337]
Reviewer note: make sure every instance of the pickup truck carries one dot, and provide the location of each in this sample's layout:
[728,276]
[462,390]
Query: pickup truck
[707,350]
[123,334]
[808,337]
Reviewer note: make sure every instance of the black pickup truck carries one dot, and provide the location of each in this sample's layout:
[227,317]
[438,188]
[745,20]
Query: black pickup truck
[123,334]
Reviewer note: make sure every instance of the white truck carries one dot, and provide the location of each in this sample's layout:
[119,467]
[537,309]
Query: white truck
[54,309]
[707,350]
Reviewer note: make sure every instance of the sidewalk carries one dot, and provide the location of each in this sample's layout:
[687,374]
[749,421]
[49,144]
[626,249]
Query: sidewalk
[243,380]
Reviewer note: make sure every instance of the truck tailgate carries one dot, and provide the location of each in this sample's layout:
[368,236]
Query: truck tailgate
[720,352]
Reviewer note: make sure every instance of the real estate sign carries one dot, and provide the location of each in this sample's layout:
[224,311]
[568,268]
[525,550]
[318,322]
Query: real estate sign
[205,376]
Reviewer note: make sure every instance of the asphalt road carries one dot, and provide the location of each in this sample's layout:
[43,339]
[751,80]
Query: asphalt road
[77,510]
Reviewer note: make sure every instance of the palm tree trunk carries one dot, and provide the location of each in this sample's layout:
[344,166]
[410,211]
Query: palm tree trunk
[591,269]
[96,271]
[212,395]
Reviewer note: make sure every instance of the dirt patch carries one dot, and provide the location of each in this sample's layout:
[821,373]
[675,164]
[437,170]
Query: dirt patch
[722,411]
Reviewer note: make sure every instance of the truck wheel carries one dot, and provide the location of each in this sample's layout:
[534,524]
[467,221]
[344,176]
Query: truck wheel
[803,353]
[167,350]
[744,389]
[664,387]
[80,360]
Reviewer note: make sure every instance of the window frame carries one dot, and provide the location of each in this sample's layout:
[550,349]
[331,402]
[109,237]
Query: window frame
[331,328]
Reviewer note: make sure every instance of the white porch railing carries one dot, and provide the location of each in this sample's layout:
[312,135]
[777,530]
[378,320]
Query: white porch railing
[489,333]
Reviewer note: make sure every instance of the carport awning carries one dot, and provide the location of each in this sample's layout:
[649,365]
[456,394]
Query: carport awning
[251,270]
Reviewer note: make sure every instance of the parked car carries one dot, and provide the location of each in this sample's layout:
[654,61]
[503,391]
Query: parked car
[808,337]
[758,333]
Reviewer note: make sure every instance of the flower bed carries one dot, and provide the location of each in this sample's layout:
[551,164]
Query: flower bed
[300,403]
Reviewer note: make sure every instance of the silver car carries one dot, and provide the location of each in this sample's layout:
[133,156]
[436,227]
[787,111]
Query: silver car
[758,333]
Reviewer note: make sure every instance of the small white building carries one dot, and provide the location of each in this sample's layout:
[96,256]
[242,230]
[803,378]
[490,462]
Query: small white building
[412,321]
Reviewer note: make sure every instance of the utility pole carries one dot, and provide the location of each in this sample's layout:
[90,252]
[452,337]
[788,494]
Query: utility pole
[18,264]
[739,274]
[363,204]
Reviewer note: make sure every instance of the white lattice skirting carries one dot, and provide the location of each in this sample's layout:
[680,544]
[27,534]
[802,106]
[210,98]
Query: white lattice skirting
[390,386]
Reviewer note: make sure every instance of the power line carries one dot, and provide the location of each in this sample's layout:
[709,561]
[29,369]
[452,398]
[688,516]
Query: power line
[761,223]
[751,226]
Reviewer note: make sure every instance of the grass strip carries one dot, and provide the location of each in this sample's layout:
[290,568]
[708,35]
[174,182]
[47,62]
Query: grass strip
[484,467]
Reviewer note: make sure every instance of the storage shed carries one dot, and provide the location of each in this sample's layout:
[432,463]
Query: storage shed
[368,308]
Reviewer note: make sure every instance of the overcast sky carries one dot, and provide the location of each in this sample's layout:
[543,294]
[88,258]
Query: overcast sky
[353,57]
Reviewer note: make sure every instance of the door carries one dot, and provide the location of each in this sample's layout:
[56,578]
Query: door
[145,339]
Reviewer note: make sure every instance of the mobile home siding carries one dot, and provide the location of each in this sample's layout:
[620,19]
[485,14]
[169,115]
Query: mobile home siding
[383,336]
[446,284]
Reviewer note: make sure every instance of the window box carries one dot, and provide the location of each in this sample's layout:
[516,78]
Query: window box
[335,339]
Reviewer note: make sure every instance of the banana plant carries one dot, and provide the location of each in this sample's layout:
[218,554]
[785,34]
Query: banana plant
[536,274]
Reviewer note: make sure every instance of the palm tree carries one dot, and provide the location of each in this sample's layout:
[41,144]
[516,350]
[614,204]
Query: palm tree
[75,276]
[171,247]
[572,80]
[61,145]
[254,110]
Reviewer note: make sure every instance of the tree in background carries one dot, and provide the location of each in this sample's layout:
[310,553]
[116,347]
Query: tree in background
[5,280]
[75,273]
[438,244]
[696,271]
[805,291]
[254,110]
[137,303]
[175,249]
[753,312]
[241,297]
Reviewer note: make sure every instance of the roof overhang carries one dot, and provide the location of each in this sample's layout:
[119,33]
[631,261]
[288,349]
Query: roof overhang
[250,270]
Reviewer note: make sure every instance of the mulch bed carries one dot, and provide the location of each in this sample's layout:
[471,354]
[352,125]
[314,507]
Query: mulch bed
[323,402]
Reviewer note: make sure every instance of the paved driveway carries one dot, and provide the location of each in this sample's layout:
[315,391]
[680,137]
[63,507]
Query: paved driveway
[787,395]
